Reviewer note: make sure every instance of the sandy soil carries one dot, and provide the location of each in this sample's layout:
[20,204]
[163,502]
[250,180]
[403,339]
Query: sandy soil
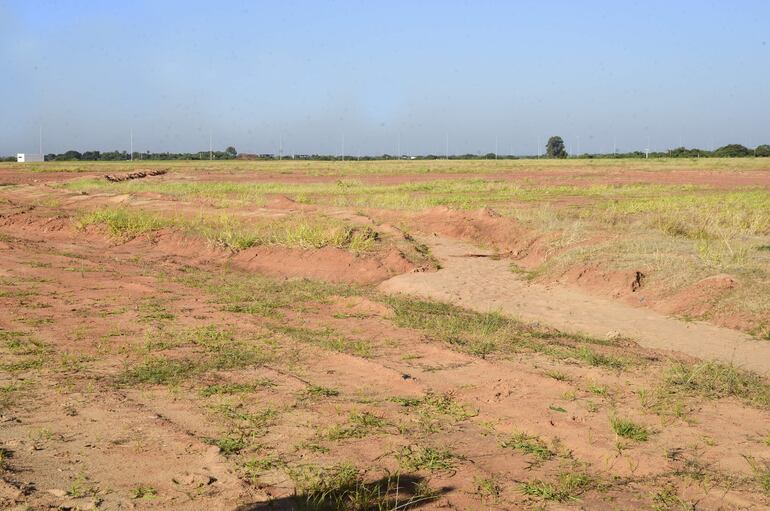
[479,279]
[81,312]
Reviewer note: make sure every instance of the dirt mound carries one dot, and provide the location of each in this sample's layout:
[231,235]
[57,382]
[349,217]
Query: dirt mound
[360,306]
[611,283]
[697,299]
[329,263]
[284,202]
[25,221]
[483,226]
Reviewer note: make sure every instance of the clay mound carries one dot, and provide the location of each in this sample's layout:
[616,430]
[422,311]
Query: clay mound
[363,306]
[698,299]
[484,226]
[329,263]
[23,221]
[284,202]
[612,283]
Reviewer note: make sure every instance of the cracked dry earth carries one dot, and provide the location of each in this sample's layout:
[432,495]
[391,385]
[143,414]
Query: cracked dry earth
[133,380]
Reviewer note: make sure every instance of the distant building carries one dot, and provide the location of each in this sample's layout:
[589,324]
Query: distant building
[29,158]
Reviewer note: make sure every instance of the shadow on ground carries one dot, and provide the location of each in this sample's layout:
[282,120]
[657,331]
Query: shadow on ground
[407,492]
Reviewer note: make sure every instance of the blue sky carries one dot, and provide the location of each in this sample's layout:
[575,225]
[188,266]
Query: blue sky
[310,73]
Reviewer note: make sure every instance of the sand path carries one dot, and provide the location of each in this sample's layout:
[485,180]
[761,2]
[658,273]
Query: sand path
[487,284]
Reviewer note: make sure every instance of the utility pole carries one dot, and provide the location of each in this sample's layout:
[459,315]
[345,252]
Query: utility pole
[495,147]
[343,147]
[211,146]
[40,142]
[131,144]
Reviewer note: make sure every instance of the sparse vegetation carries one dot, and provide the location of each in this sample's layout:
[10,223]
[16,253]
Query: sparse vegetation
[359,425]
[234,233]
[629,429]
[567,486]
[370,395]
[427,458]
[715,380]
[529,444]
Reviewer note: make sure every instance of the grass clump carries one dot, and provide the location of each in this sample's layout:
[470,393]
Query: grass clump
[235,388]
[595,359]
[359,425]
[482,334]
[714,380]
[444,404]
[342,487]
[144,492]
[260,295]
[761,470]
[255,467]
[229,445]
[432,459]
[161,371]
[529,444]
[234,233]
[629,429]
[220,350]
[557,375]
[124,223]
[21,352]
[567,486]
[326,338]
[319,391]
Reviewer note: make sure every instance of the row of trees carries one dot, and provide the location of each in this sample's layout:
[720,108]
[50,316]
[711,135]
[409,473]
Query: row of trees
[72,155]
[555,149]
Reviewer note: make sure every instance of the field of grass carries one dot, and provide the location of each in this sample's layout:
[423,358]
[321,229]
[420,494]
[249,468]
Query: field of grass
[676,234]
[131,378]
[394,167]
[234,233]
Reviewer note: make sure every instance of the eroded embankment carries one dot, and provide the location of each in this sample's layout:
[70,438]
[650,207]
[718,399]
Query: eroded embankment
[637,286]
[326,263]
[480,281]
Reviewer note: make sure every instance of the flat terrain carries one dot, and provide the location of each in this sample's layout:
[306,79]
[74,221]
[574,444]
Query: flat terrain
[386,335]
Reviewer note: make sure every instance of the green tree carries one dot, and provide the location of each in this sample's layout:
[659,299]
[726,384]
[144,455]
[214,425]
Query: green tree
[555,148]
[732,151]
[230,152]
[762,150]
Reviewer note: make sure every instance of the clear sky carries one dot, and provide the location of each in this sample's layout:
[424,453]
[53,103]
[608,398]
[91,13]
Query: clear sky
[312,73]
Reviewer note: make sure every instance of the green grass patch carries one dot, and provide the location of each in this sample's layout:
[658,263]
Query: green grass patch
[432,459]
[235,233]
[326,338]
[220,349]
[235,388]
[567,486]
[342,487]
[629,429]
[485,334]
[714,380]
[529,444]
[359,425]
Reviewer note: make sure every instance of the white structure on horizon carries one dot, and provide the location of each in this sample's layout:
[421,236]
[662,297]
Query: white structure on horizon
[29,158]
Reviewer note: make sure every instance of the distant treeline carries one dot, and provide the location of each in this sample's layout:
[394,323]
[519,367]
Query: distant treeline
[728,151]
